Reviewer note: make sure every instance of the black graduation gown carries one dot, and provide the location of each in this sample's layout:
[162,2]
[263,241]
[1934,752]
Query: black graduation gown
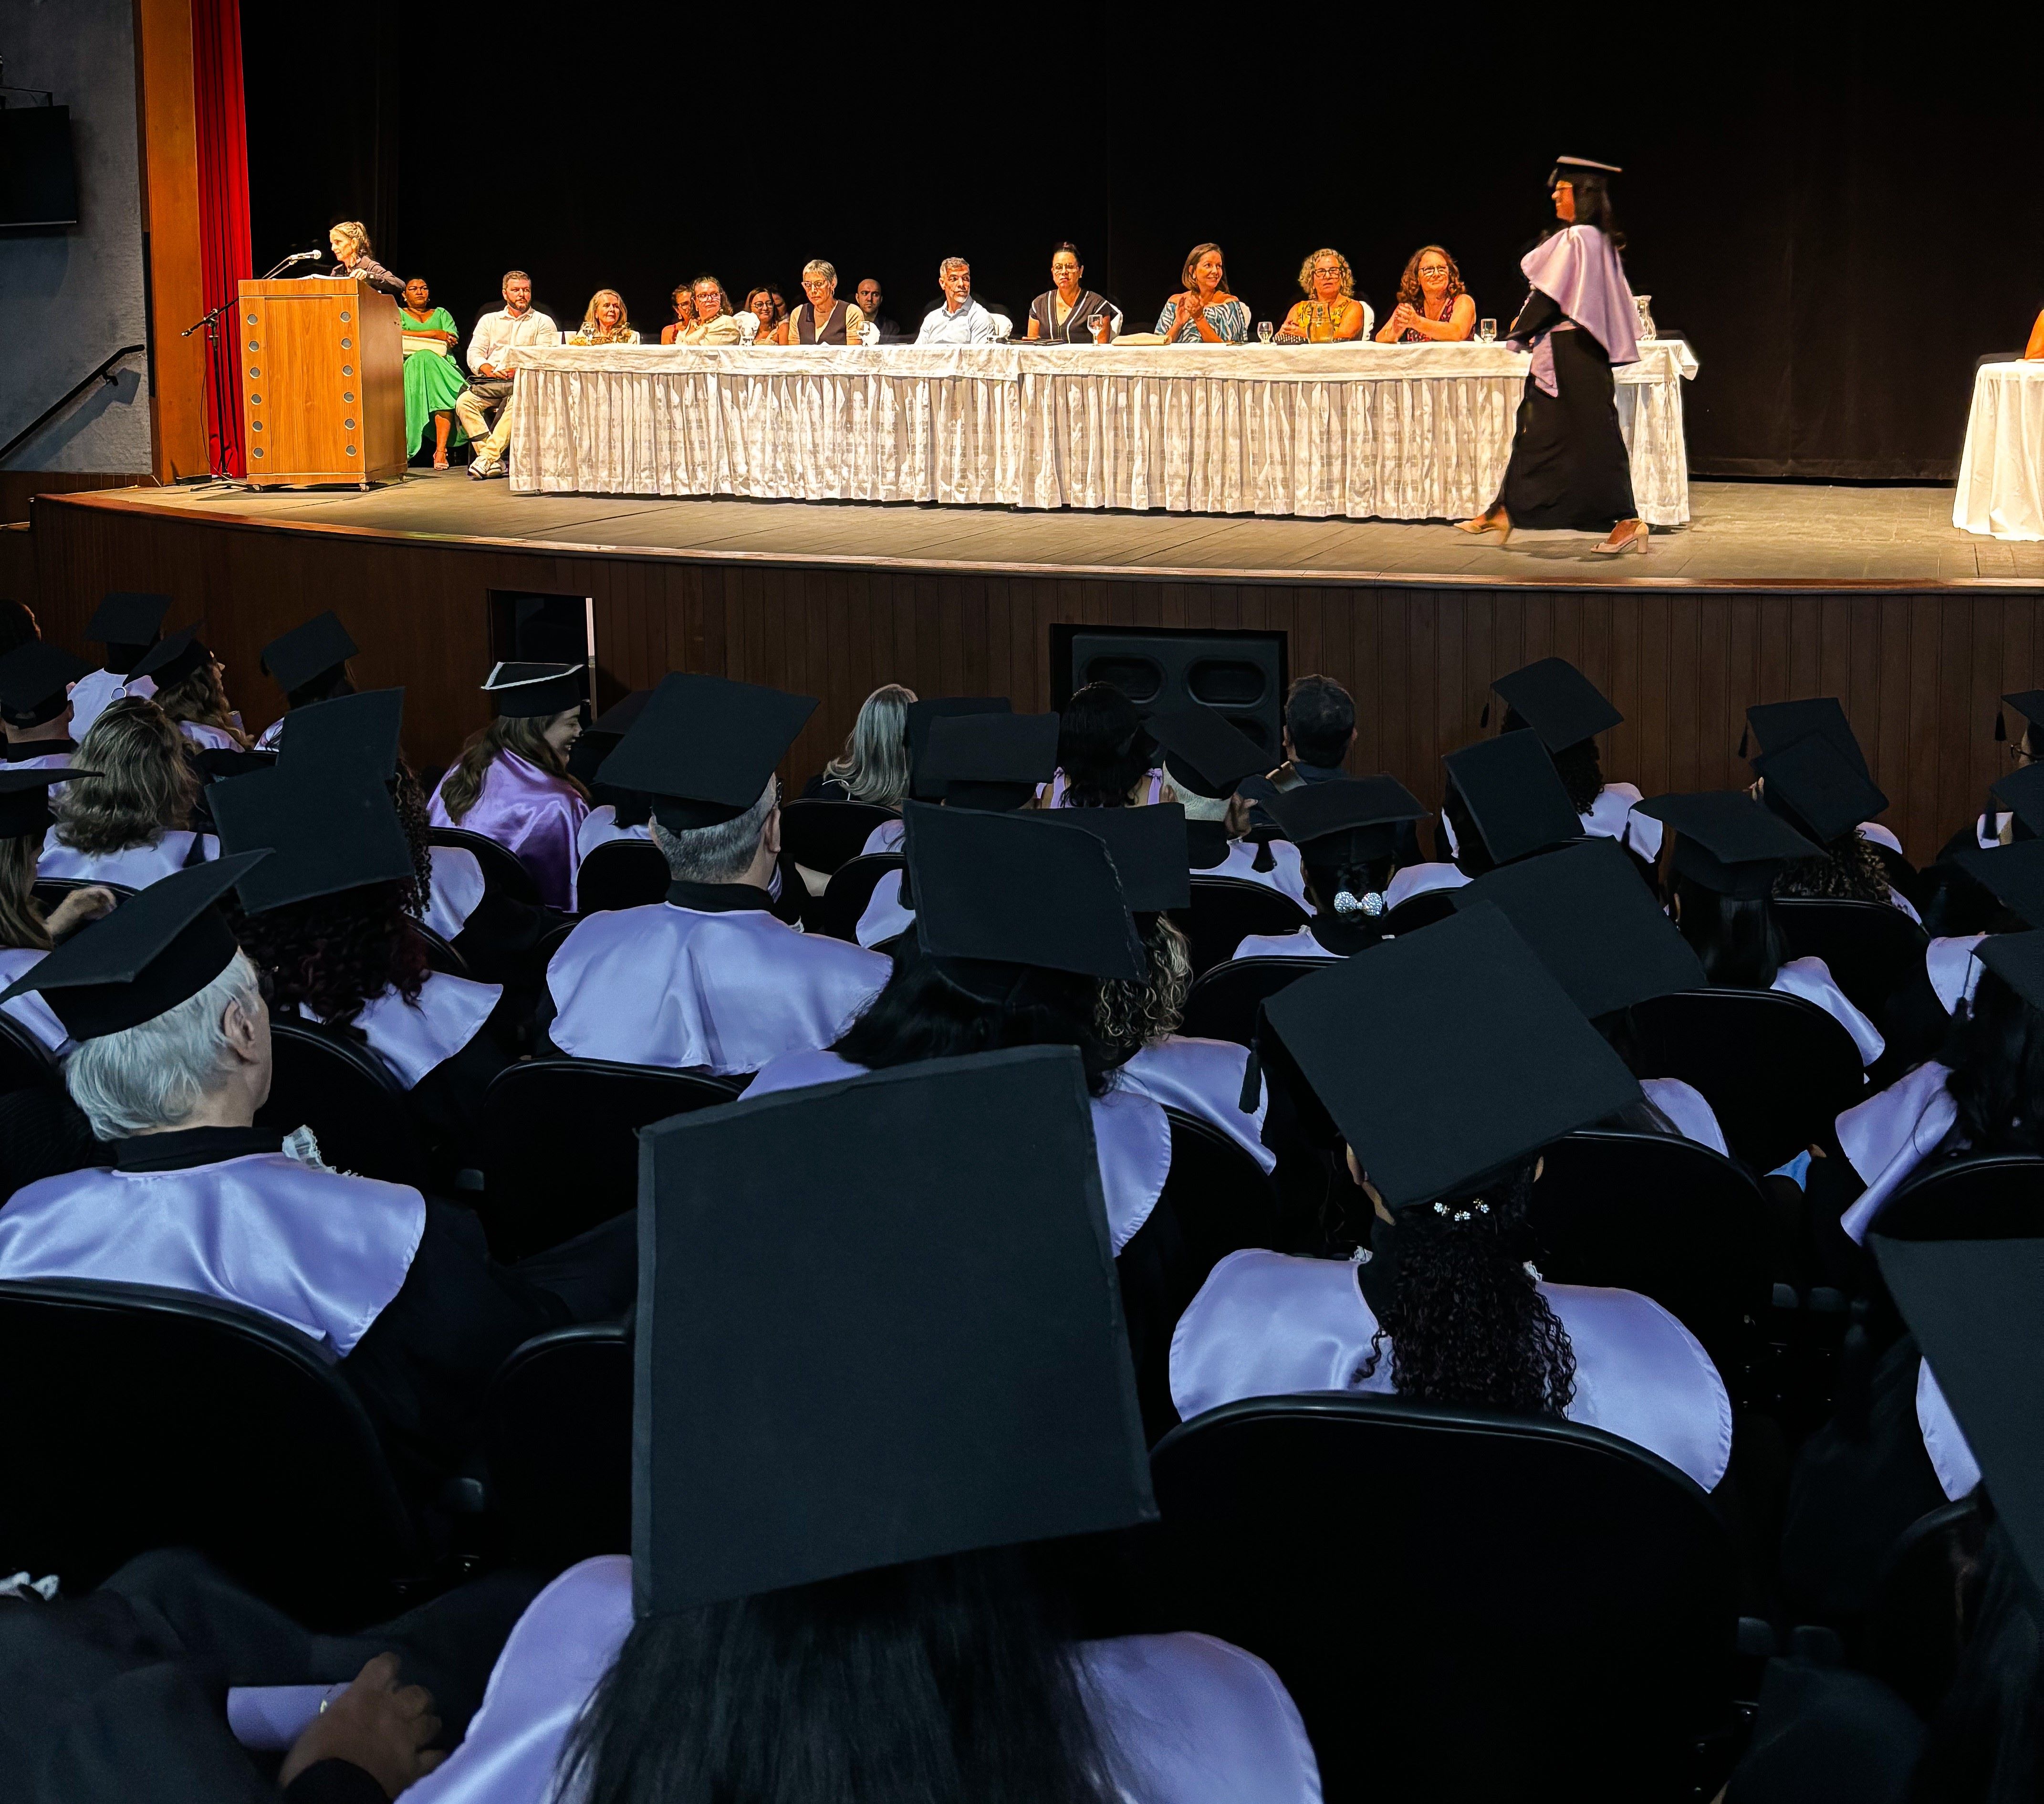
[1825,1735]
[1568,466]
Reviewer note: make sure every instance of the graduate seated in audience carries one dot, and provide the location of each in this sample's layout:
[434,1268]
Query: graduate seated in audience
[35,682]
[309,664]
[123,816]
[328,919]
[1729,850]
[1206,756]
[1566,711]
[920,716]
[708,980]
[1104,755]
[511,783]
[1773,726]
[189,689]
[1502,800]
[26,933]
[1966,896]
[125,625]
[1347,836]
[1016,927]
[856,1615]
[614,813]
[1996,825]
[874,767]
[1817,790]
[1443,1305]
[173,1060]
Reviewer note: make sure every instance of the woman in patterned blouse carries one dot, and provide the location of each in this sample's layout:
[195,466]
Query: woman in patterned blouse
[1330,314]
[1205,313]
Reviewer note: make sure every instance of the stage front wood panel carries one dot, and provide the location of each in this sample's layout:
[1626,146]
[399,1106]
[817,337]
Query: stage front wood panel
[1920,674]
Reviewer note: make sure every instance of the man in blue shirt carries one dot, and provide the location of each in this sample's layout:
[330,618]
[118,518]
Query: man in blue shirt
[961,320]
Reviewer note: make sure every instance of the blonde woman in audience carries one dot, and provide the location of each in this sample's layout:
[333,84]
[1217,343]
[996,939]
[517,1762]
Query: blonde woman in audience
[604,321]
[124,820]
[25,933]
[874,767]
[1330,314]
[191,691]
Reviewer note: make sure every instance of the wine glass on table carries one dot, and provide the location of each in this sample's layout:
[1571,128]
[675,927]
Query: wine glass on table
[1264,331]
[1486,331]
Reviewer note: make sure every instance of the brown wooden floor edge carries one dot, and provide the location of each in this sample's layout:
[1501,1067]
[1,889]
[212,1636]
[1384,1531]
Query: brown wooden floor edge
[968,567]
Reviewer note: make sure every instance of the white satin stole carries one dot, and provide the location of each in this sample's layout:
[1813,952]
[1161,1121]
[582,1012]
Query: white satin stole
[137,867]
[457,888]
[1298,944]
[318,1251]
[31,1010]
[266,740]
[1688,1109]
[93,691]
[1286,875]
[1811,979]
[1186,1719]
[1953,971]
[1610,817]
[415,1038]
[600,827]
[722,993]
[1268,1324]
[1132,1136]
[1422,879]
[1951,1458]
[885,917]
[1886,1138]
[208,738]
[886,837]
[1201,1078]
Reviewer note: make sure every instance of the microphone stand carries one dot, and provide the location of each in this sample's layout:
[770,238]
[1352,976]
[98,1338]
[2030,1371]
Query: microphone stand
[210,320]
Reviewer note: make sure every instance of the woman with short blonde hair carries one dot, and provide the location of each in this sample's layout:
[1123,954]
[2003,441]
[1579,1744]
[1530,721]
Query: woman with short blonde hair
[122,821]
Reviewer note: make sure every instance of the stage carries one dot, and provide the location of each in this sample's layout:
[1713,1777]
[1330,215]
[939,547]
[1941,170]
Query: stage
[1773,591]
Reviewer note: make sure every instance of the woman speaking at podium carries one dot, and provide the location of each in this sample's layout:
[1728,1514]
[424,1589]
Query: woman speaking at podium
[350,240]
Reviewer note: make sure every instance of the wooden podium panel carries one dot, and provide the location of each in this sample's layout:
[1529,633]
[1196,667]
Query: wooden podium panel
[322,383]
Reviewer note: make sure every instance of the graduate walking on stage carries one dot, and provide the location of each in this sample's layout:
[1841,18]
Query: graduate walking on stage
[1569,466]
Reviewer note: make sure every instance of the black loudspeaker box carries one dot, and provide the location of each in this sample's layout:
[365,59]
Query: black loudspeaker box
[1242,674]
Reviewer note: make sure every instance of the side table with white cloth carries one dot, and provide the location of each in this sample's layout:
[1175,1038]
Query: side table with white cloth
[1398,432]
[2001,473]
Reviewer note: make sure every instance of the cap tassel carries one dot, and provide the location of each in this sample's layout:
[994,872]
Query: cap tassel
[1252,1084]
[1744,733]
[2000,727]
[1483,719]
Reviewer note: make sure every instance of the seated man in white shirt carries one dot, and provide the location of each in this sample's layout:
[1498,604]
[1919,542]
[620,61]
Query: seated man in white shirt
[513,324]
[961,320]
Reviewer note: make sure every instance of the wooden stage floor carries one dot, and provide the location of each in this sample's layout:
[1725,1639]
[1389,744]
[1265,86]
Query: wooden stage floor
[1747,535]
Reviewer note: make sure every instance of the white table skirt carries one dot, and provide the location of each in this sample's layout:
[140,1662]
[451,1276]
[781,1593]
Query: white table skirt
[2001,475]
[1387,431]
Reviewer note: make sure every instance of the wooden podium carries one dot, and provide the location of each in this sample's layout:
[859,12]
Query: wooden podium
[322,383]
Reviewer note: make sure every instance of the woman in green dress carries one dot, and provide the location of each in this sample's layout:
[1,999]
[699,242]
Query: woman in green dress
[432,377]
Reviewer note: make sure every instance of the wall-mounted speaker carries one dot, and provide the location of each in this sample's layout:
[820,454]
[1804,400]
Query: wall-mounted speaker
[1242,674]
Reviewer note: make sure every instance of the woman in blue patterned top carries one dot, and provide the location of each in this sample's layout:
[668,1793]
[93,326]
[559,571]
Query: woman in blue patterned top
[1205,313]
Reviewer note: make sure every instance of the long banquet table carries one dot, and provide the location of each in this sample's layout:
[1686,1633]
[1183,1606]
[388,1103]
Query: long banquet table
[1394,432]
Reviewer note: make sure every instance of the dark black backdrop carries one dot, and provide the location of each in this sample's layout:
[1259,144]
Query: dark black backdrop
[1841,224]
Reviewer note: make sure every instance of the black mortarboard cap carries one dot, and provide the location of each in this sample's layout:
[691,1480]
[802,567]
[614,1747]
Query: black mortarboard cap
[1562,704]
[306,653]
[358,732]
[955,1281]
[527,691]
[1477,1060]
[1972,1305]
[992,761]
[2027,702]
[1813,786]
[327,830]
[2013,874]
[35,682]
[1204,752]
[2017,961]
[619,718]
[2022,792]
[25,799]
[1727,842]
[1147,845]
[1346,821]
[159,949]
[995,893]
[920,715]
[1565,167]
[1776,724]
[704,747]
[1592,923]
[170,661]
[127,617]
[1515,795]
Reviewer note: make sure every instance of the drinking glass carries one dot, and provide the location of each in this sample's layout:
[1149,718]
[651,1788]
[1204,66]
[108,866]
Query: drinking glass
[1486,331]
[1264,331]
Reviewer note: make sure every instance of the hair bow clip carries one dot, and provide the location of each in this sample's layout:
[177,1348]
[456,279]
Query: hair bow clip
[1348,901]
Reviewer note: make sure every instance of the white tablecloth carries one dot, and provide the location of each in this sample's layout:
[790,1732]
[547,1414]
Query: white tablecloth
[1399,431]
[2001,476]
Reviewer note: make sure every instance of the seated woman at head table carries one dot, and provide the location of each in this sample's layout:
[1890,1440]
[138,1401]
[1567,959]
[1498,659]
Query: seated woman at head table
[604,321]
[1331,313]
[683,299]
[715,323]
[432,381]
[1203,312]
[1068,312]
[1433,305]
[766,305]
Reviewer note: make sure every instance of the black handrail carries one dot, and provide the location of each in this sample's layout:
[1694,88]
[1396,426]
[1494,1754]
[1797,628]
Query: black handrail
[105,370]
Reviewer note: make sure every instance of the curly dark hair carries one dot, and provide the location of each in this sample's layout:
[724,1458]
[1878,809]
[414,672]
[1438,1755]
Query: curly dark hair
[408,794]
[332,954]
[1995,1049]
[1469,1325]
[1102,747]
[1850,869]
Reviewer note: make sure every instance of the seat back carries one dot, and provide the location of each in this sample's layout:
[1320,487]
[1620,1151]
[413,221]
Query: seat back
[1223,1002]
[1873,949]
[1668,1218]
[1776,1070]
[163,1418]
[824,836]
[622,874]
[1422,910]
[1915,1630]
[341,1090]
[2000,1198]
[24,1061]
[557,1438]
[440,954]
[1217,1201]
[502,869]
[562,1142]
[1464,1605]
[1225,910]
[851,886]
[51,891]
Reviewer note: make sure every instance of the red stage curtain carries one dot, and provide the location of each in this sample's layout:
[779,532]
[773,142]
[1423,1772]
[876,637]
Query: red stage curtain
[222,121]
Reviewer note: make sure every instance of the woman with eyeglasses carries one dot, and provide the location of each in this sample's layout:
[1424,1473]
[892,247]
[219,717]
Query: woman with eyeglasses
[1433,307]
[1331,313]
